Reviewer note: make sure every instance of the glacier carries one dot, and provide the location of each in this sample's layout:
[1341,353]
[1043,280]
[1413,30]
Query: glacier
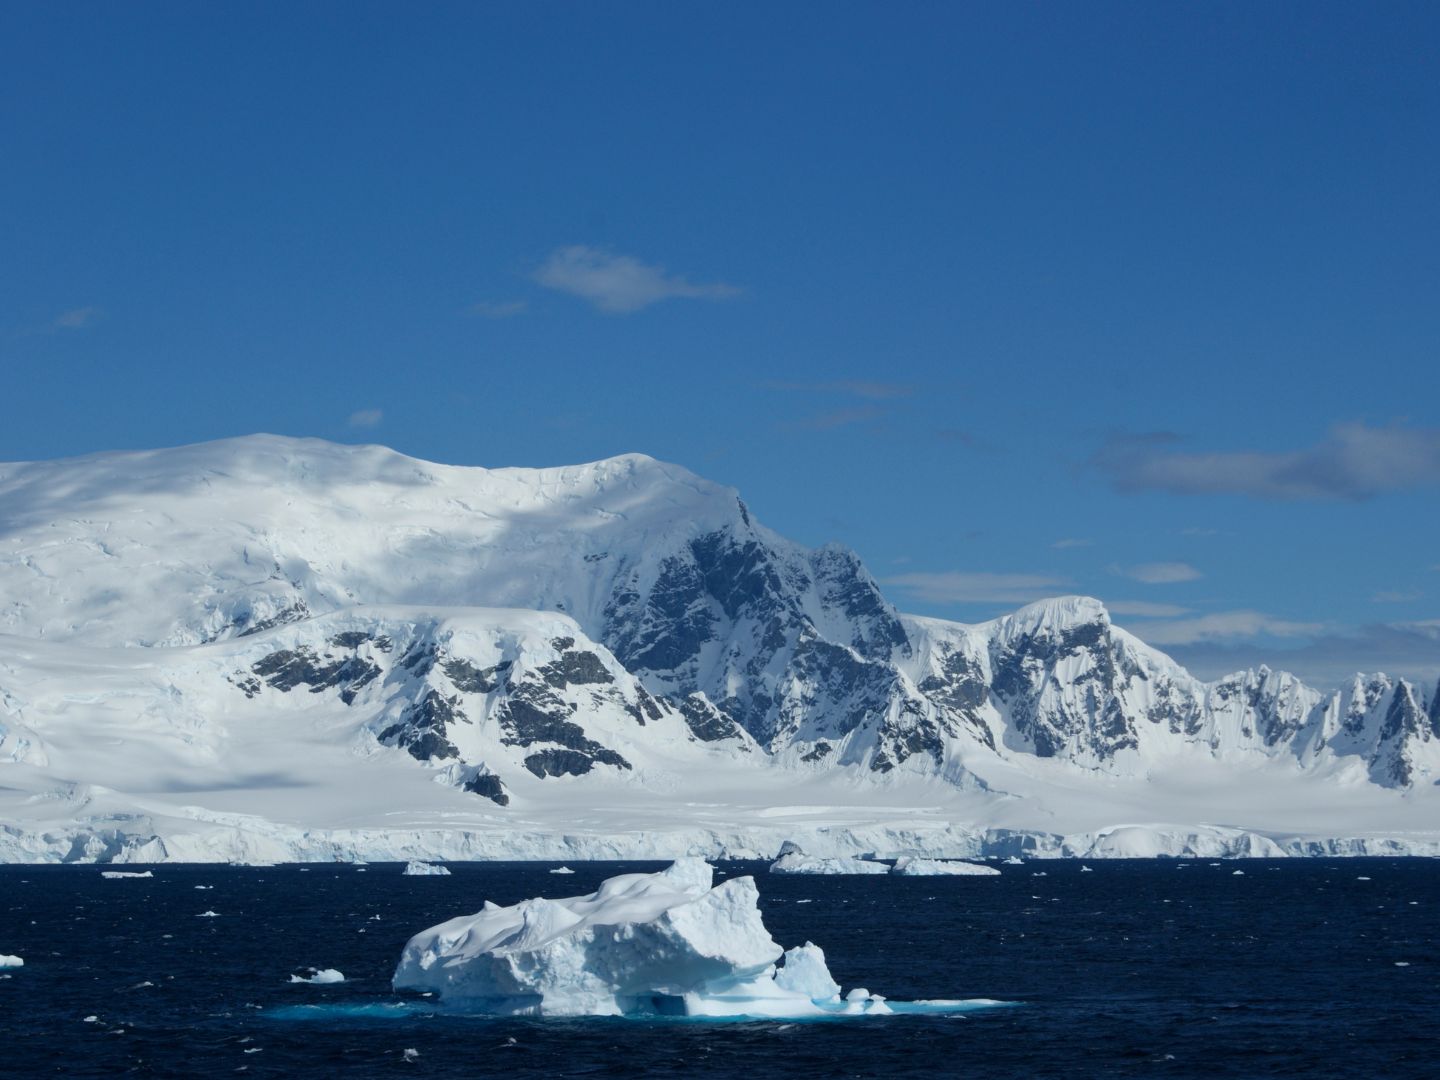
[671,943]
[268,650]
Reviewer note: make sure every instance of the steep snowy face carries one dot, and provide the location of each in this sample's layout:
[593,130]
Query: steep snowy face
[1381,721]
[1260,708]
[706,606]
[1071,685]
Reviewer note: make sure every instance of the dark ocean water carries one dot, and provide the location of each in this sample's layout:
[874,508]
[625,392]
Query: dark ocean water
[1136,969]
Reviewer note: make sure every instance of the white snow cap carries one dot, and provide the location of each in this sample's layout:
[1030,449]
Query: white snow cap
[669,943]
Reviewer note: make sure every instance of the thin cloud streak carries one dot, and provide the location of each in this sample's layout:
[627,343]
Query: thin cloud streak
[366,418]
[958,587]
[1354,462]
[1144,609]
[620,284]
[1159,573]
[1225,626]
[1331,659]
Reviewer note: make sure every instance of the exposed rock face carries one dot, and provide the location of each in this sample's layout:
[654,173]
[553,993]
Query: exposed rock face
[506,700]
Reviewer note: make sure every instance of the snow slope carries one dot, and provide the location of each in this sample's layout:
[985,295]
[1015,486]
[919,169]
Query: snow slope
[269,648]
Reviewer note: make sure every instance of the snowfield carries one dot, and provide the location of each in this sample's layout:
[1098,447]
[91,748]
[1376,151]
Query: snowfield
[267,650]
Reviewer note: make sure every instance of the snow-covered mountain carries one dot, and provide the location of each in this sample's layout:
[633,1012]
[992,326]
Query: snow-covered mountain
[278,647]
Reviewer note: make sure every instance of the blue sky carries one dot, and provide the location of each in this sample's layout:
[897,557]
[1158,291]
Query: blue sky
[1138,301]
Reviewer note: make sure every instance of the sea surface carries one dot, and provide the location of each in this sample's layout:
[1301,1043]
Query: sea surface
[1313,968]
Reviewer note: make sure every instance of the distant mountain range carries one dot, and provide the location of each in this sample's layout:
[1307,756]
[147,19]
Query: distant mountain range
[277,648]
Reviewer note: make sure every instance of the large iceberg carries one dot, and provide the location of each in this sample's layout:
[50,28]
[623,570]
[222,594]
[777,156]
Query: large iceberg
[666,944]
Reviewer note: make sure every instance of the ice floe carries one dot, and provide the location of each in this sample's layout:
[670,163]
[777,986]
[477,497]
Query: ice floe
[10,961]
[319,976]
[908,866]
[562,870]
[416,868]
[797,862]
[670,943]
[125,874]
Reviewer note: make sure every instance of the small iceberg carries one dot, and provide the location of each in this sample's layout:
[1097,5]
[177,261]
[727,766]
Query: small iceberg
[797,862]
[915,867]
[671,943]
[125,874]
[319,977]
[10,961]
[562,870]
[208,915]
[1014,860]
[416,868]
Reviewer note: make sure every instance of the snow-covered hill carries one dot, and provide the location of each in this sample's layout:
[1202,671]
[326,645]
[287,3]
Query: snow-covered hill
[281,648]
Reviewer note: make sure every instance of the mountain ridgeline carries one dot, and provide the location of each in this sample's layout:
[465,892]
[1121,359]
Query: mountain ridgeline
[543,624]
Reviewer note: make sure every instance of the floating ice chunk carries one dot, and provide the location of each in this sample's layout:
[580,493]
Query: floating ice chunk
[1362,879]
[1238,873]
[1086,870]
[562,870]
[411,1054]
[10,961]
[125,874]
[1402,963]
[797,862]
[670,943]
[319,976]
[912,867]
[91,1019]
[208,915]
[416,868]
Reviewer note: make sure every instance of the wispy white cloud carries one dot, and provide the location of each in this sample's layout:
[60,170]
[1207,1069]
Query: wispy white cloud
[620,284]
[1354,461]
[1071,542]
[1328,659]
[1394,596]
[366,418]
[958,587]
[76,318]
[1159,573]
[497,309]
[1144,609]
[1225,626]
